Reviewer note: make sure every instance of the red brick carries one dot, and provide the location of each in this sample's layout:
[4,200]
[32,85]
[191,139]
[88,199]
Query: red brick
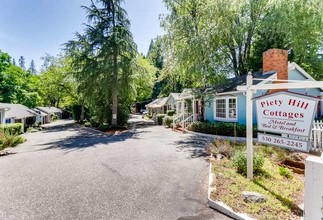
[277,60]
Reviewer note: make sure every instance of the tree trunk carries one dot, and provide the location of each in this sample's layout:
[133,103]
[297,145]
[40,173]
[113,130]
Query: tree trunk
[114,120]
[114,87]
[82,113]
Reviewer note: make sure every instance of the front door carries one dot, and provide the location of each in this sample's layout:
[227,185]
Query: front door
[197,107]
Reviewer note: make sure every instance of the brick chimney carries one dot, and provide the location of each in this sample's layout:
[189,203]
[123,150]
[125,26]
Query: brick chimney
[277,60]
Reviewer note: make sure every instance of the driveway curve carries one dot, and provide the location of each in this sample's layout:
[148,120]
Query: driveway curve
[68,172]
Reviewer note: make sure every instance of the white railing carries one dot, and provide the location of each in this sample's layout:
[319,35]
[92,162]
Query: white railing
[187,121]
[317,136]
[178,118]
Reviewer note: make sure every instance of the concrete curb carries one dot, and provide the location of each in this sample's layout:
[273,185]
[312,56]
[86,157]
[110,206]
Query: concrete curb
[220,206]
[239,139]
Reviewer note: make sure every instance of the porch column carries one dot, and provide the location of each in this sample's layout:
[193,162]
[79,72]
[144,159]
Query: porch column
[183,106]
[177,108]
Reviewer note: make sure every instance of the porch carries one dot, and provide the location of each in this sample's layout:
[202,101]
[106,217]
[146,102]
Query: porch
[188,109]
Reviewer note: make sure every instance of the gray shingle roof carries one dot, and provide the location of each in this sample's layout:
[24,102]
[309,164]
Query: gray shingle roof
[17,111]
[49,110]
[231,84]
[157,103]
[40,112]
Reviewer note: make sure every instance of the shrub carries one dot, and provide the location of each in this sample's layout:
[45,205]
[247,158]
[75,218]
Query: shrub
[32,130]
[18,140]
[103,127]
[168,121]
[240,162]
[76,112]
[123,115]
[54,117]
[171,112]
[160,118]
[285,172]
[224,147]
[87,124]
[221,128]
[10,140]
[13,129]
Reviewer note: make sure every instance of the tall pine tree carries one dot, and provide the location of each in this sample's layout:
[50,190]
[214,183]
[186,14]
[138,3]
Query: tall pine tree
[32,67]
[22,63]
[104,57]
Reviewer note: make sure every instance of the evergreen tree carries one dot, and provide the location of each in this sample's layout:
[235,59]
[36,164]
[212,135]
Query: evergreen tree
[14,62]
[104,57]
[22,63]
[32,67]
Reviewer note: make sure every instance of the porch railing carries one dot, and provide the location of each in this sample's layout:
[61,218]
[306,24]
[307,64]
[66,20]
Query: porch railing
[178,118]
[187,121]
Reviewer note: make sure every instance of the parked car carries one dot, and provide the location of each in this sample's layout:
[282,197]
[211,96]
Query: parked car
[143,111]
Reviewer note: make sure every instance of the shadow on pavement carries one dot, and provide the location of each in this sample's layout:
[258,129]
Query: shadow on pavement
[85,138]
[195,145]
[61,127]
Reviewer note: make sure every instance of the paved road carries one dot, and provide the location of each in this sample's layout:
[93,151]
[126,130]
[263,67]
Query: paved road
[66,172]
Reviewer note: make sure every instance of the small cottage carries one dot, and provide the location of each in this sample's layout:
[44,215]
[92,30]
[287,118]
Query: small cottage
[17,113]
[48,112]
[229,105]
[162,105]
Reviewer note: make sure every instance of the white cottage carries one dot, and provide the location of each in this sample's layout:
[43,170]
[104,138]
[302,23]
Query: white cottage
[188,107]
[162,105]
[17,113]
[47,112]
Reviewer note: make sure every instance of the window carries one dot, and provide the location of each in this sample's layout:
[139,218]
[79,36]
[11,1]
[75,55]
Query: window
[169,107]
[220,108]
[226,109]
[233,108]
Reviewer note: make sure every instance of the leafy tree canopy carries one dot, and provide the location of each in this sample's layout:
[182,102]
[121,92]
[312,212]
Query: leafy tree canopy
[207,39]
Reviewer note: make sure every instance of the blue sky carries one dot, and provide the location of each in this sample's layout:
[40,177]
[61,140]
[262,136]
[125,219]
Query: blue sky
[34,27]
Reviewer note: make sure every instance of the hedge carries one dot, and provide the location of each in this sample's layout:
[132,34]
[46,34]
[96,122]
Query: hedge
[221,128]
[171,112]
[160,118]
[13,129]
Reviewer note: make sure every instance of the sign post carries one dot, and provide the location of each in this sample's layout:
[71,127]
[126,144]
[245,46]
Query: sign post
[249,106]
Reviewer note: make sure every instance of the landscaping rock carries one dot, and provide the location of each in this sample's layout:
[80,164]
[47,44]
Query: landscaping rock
[253,197]
[219,156]
[3,153]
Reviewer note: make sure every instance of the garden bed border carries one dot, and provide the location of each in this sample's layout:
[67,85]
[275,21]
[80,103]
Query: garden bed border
[220,206]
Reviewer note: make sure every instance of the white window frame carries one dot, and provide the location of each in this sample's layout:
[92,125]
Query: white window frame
[227,118]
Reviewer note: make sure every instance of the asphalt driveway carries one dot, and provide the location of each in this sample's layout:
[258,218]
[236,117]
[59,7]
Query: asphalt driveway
[66,172]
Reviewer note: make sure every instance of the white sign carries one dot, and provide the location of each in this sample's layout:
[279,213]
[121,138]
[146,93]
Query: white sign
[275,140]
[286,113]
